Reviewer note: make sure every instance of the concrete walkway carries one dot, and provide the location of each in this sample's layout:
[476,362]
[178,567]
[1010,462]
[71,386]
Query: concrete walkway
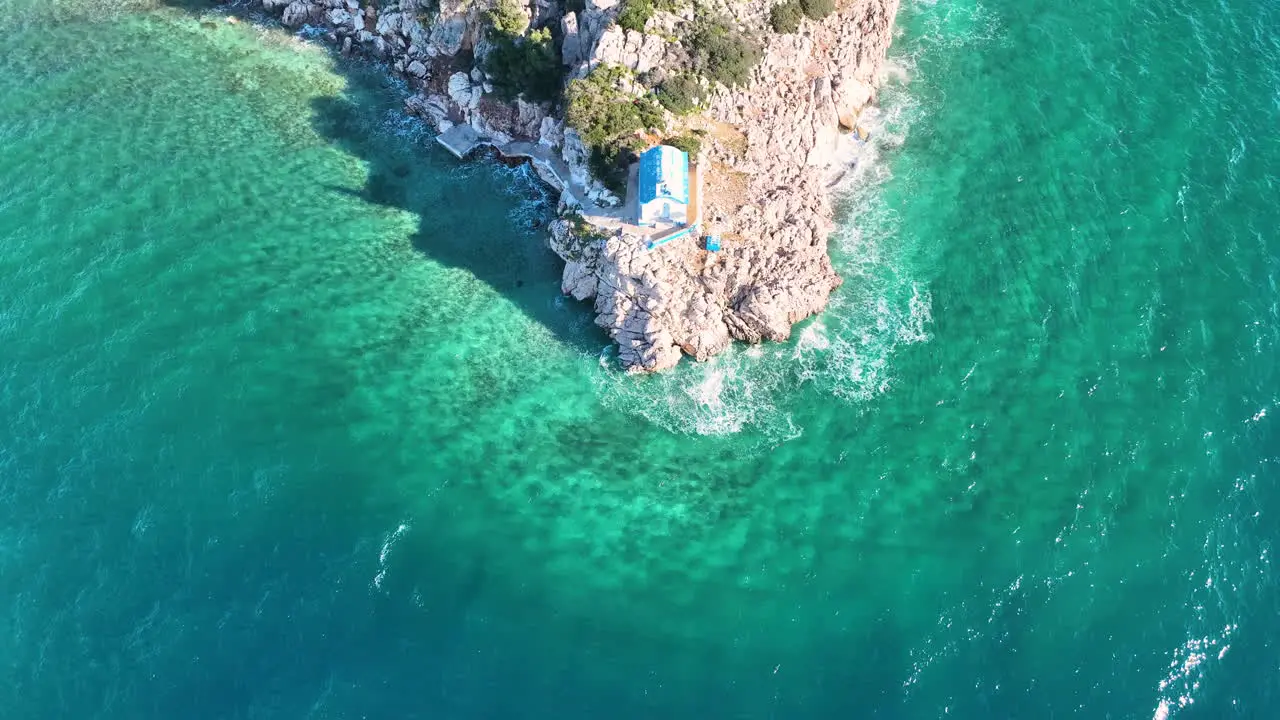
[459,140]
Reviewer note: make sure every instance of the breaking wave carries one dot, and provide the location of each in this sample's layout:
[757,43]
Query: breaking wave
[384,554]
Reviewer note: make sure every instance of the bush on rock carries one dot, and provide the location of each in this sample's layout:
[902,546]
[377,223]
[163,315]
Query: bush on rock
[681,94]
[507,18]
[608,118]
[602,112]
[817,9]
[635,14]
[785,17]
[688,143]
[721,52]
[525,65]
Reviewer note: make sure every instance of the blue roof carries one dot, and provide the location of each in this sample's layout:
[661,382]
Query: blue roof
[664,173]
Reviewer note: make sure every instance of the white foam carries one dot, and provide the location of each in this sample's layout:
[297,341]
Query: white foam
[954,25]
[401,124]
[388,544]
[1186,672]
[733,391]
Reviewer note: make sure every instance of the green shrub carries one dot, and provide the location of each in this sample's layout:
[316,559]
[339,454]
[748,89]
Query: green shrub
[721,52]
[585,234]
[650,112]
[634,15]
[817,9]
[525,65]
[681,94]
[507,18]
[608,119]
[602,113]
[785,17]
[687,143]
[610,166]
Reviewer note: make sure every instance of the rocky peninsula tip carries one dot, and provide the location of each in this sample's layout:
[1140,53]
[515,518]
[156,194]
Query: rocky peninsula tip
[767,145]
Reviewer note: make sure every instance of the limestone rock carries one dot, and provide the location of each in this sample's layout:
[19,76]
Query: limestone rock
[575,155]
[485,127]
[571,51]
[579,281]
[640,52]
[338,17]
[389,24]
[461,91]
[433,108]
[296,14]
[551,132]
[447,35]
[528,119]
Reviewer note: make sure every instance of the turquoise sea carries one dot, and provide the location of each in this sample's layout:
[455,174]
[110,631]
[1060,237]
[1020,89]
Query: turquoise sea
[296,424]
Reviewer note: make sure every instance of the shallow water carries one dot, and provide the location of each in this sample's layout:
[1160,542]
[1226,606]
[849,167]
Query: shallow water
[300,426]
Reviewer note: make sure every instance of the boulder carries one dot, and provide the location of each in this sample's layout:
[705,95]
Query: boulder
[575,155]
[551,132]
[640,52]
[463,92]
[339,18]
[545,11]
[528,119]
[578,281]
[650,52]
[296,14]
[611,48]
[389,24]
[853,95]
[447,35]
[496,136]
[571,51]
[433,108]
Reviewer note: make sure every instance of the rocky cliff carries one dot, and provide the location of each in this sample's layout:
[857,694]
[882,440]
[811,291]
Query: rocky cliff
[770,147]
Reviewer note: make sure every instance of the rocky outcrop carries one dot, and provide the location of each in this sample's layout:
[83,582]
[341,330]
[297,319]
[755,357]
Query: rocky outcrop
[640,52]
[769,155]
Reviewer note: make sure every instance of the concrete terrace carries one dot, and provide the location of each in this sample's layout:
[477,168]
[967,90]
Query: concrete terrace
[461,140]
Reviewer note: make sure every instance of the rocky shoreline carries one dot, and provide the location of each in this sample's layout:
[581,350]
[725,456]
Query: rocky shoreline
[771,148]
